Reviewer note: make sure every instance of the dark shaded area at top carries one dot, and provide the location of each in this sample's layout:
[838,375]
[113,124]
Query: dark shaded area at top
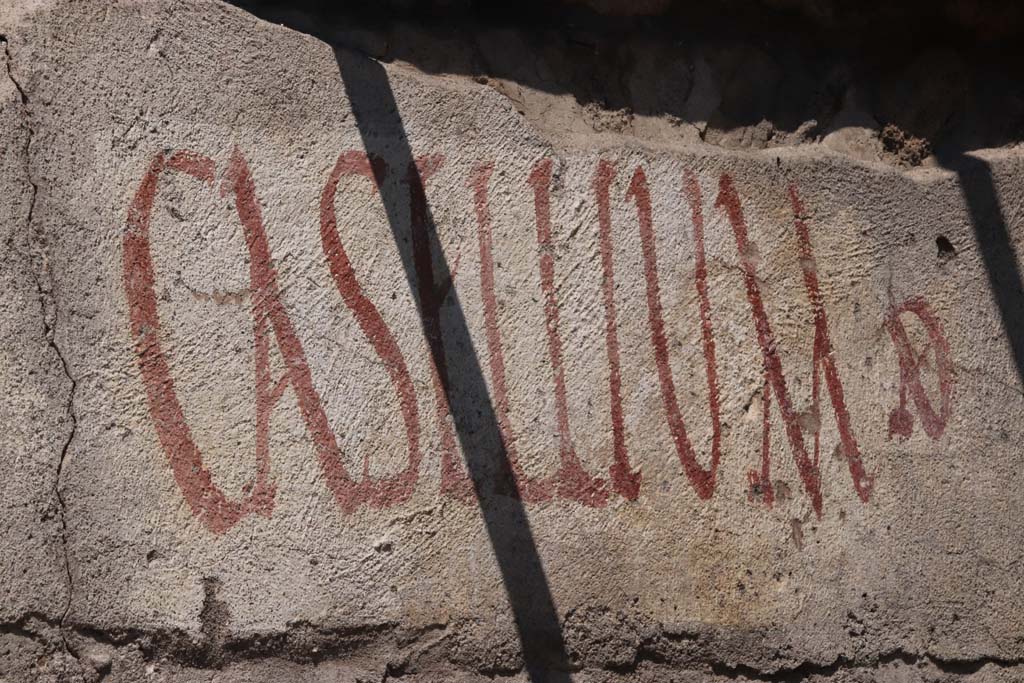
[944,72]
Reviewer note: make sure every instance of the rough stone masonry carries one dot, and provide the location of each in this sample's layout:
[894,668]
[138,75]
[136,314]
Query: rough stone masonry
[321,369]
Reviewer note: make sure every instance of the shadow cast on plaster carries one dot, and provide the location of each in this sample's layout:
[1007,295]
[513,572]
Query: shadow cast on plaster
[992,236]
[461,375]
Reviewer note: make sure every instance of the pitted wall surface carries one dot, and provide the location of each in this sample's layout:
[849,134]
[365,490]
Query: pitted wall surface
[761,409]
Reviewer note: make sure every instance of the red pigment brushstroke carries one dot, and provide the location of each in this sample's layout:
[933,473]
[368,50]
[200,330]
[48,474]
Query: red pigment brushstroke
[530,489]
[454,481]
[573,481]
[703,481]
[267,305]
[624,480]
[207,502]
[196,165]
[729,200]
[901,421]
[823,357]
[693,195]
[399,487]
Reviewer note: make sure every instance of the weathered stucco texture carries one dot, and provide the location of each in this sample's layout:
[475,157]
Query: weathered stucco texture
[763,406]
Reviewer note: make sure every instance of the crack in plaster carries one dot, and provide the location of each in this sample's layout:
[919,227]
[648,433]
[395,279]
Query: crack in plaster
[50,314]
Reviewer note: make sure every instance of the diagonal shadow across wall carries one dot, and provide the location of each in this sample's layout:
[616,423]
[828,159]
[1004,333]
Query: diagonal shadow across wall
[992,236]
[458,367]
